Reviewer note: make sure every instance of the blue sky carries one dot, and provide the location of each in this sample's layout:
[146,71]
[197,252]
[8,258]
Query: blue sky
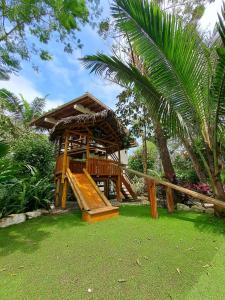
[64,79]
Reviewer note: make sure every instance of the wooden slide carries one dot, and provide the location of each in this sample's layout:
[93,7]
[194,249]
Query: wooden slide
[93,203]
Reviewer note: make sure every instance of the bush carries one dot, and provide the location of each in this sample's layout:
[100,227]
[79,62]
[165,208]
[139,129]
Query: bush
[26,179]
[21,194]
[35,150]
[184,169]
[138,184]
[135,160]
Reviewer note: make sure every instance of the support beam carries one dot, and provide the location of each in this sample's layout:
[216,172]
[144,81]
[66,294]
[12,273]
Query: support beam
[50,120]
[83,109]
[64,193]
[87,153]
[65,157]
[57,192]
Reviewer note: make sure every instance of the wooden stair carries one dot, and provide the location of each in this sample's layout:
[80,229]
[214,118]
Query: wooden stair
[126,187]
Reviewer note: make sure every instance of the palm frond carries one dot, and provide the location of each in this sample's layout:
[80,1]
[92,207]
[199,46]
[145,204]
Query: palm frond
[38,105]
[175,57]
[218,82]
[128,75]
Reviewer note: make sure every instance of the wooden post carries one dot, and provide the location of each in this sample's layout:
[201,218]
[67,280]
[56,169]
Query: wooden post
[169,199]
[65,158]
[119,182]
[57,192]
[106,187]
[87,152]
[64,193]
[152,198]
[118,190]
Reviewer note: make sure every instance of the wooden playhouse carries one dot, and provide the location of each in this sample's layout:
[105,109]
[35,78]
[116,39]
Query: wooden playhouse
[89,140]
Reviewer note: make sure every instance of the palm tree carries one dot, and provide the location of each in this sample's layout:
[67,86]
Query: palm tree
[184,80]
[16,113]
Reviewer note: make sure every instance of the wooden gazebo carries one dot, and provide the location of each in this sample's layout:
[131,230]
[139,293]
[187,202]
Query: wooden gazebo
[88,135]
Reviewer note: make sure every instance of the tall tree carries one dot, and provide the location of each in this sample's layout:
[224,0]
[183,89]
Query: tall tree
[43,20]
[16,113]
[184,82]
[142,123]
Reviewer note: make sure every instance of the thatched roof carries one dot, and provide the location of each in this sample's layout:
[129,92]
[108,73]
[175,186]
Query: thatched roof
[68,110]
[104,127]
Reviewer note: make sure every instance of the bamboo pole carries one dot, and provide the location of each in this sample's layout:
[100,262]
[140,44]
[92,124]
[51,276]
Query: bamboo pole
[87,153]
[64,193]
[57,192]
[65,159]
[119,182]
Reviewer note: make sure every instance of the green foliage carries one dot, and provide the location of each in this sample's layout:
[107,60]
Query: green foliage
[46,20]
[138,184]
[184,169]
[26,181]
[23,193]
[181,78]
[24,187]
[35,150]
[16,113]
[135,160]
[3,149]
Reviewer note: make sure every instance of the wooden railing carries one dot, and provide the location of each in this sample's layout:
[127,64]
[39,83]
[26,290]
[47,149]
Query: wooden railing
[102,167]
[77,166]
[59,164]
[152,182]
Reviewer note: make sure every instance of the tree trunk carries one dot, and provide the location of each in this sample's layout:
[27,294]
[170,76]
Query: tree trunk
[216,182]
[145,154]
[220,194]
[195,161]
[168,169]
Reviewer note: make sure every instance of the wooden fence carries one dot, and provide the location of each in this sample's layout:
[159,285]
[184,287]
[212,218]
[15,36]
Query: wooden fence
[102,167]
[152,182]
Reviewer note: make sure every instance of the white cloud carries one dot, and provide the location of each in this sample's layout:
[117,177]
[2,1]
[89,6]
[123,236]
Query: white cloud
[63,73]
[210,17]
[104,90]
[21,85]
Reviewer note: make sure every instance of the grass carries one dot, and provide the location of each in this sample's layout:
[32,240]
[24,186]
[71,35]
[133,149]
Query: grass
[179,256]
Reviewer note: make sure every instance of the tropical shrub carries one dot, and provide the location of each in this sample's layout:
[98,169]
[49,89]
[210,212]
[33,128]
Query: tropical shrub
[184,169]
[22,186]
[21,194]
[138,185]
[135,160]
[35,150]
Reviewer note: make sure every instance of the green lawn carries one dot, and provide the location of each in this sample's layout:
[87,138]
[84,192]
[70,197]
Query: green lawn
[179,256]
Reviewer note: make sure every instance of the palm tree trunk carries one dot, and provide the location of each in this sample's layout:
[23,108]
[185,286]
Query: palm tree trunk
[145,158]
[195,161]
[168,169]
[216,182]
[220,194]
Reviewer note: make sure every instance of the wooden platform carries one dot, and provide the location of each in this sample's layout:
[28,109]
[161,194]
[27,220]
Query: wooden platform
[100,214]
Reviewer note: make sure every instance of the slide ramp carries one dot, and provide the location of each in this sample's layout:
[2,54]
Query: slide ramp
[93,203]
